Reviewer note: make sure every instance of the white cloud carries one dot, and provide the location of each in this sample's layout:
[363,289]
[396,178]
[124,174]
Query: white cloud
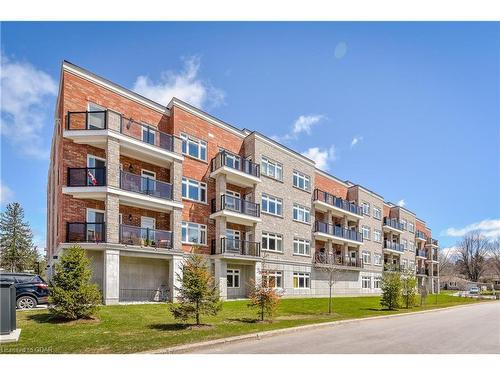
[401,203]
[185,85]
[27,94]
[6,193]
[355,141]
[340,50]
[322,157]
[488,228]
[303,124]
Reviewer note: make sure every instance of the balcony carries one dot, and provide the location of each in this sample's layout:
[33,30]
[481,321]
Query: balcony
[324,201]
[236,210]
[392,267]
[420,235]
[321,258]
[432,242]
[420,271]
[86,183]
[85,232]
[393,247]
[137,140]
[392,224]
[239,171]
[236,247]
[325,231]
[421,253]
[145,237]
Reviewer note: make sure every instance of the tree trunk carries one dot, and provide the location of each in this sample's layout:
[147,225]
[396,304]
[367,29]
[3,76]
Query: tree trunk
[197,313]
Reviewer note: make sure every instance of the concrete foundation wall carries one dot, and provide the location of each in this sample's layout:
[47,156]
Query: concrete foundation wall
[141,277]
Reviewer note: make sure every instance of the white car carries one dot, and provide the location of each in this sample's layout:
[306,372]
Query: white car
[473,290]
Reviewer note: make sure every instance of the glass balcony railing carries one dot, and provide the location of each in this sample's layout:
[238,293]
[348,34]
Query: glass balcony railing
[321,257]
[238,205]
[78,177]
[227,159]
[237,247]
[337,231]
[85,232]
[420,235]
[393,223]
[87,120]
[422,253]
[145,185]
[332,200]
[432,241]
[392,267]
[132,235]
[393,246]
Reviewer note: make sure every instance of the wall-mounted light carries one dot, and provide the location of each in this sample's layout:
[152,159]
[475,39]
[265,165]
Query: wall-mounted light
[129,217]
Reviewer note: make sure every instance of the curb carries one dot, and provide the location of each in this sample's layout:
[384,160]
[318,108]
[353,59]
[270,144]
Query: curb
[260,335]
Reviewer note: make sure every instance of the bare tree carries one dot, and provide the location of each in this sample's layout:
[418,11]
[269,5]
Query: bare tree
[325,263]
[446,258]
[495,256]
[473,250]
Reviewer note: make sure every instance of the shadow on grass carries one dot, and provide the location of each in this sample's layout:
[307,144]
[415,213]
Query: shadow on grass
[51,319]
[179,326]
[244,320]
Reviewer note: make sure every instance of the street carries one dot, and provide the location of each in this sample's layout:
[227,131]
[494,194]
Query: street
[468,329]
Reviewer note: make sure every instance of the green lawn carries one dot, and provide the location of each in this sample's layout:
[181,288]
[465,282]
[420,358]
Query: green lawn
[134,328]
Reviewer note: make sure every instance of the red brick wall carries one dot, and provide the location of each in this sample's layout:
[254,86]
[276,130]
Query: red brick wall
[330,186]
[135,166]
[162,218]
[75,210]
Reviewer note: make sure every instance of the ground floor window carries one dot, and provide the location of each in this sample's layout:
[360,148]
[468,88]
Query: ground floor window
[301,280]
[366,282]
[274,279]
[233,278]
[377,259]
[377,281]
[366,257]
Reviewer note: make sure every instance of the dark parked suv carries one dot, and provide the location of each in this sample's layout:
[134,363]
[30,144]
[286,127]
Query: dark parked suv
[31,289]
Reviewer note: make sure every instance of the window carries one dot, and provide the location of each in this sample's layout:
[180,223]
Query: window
[301,181]
[274,279]
[301,247]
[366,208]
[405,244]
[366,282]
[193,147]
[377,213]
[193,233]
[301,213]
[411,227]
[96,120]
[194,190]
[272,242]
[148,134]
[366,232]
[412,265]
[271,169]
[403,223]
[412,246]
[148,181]
[377,282]
[233,278]
[301,280]
[272,205]
[377,235]
[366,257]
[404,265]
[377,260]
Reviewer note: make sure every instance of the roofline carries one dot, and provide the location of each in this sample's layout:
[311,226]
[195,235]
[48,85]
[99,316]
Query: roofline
[328,175]
[88,75]
[365,190]
[402,208]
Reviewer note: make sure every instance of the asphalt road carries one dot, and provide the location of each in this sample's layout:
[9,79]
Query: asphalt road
[468,329]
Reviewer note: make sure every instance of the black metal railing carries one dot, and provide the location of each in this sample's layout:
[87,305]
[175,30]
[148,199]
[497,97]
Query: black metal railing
[420,235]
[393,246]
[87,120]
[145,185]
[85,232]
[422,253]
[86,177]
[338,202]
[228,202]
[227,159]
[338,231]
[420,271]
[321,257]
[392,267]
[432,241]
[393,223]
[132,235]
[237,247]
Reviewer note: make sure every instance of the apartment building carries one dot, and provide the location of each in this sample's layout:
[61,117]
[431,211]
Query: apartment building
[140,186]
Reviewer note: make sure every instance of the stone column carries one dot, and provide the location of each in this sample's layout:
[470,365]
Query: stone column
[220,189]
[113,121]
[113,162]
[111,279]
[258,272]
[220,277]
[175,269]
[112,218]
[220,232]
[176,180]
[176,228]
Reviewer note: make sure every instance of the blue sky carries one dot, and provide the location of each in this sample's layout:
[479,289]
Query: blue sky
[409,110]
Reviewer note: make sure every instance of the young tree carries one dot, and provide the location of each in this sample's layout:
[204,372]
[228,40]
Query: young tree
[17,252]
[409,289]
[472,253]
[72,295]
[391,290]
[198,294]
[326,264]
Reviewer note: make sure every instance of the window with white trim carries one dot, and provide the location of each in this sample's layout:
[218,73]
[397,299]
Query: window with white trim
[193,233]
[366,257]
[194,190]
[404,223]
[274,279]
[301,280]
[411,246]
[366,208]
[377,212]
[377,282]
[233,278]
[377,235]
[272,242]
[377,259]
[411,227]
[301,213]
[271,168]
[412,265]
[301,181]
[271,205]
[366,282]
[405,244]
[301,247]
[404,265]
[366,232]
[194,147]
